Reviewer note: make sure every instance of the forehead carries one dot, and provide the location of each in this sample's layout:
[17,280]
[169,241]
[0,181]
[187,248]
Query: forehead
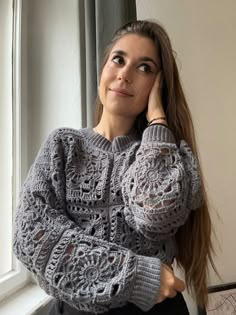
[136,45]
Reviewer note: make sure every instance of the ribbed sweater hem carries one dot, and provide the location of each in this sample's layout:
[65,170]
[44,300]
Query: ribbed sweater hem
[158,133]
[147,285]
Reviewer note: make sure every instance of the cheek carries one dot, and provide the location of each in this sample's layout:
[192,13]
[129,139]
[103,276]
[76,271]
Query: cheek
[101,87]
[146,89]
[107,72]
[105,79]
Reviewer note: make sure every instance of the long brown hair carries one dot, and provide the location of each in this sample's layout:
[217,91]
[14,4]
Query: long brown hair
[194,238]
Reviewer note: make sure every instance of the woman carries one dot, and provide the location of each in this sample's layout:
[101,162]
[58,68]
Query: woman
[104,212]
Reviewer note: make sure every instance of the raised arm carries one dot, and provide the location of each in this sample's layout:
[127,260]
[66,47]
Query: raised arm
[86,272]
[162,186]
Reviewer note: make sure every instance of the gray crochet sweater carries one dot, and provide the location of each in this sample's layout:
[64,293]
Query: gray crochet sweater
[96,218]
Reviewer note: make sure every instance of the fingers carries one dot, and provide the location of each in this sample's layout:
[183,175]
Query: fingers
[171,294]
[179,285]
[155,107]
[170,284]
[159,80]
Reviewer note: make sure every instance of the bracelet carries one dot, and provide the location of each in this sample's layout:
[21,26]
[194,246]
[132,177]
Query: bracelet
[158,124]
[158,118]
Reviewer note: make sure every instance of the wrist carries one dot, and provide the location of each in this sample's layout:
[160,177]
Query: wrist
[153,114]
[160,119]
[162,122]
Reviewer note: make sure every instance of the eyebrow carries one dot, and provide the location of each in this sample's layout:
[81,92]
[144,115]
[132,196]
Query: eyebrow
[144,58]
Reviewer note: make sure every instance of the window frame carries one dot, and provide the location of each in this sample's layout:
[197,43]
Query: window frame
[18,277]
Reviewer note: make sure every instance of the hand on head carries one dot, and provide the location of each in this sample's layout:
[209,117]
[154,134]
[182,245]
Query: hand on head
[155,106]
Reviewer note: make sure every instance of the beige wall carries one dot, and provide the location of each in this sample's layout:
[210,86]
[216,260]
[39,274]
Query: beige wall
[203,35]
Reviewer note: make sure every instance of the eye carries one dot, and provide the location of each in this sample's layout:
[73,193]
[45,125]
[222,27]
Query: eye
[118,59]
[145,68]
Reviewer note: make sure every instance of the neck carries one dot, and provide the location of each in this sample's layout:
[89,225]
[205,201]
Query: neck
[111,126]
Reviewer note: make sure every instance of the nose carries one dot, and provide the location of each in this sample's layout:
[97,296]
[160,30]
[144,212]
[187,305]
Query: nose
[125,74]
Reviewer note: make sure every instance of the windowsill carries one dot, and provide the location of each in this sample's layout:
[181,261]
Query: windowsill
[25,301]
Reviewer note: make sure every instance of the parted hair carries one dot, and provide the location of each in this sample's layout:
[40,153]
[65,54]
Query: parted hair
[194,238]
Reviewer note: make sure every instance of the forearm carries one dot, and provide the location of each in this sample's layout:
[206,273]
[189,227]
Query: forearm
[157,188]
[87,272]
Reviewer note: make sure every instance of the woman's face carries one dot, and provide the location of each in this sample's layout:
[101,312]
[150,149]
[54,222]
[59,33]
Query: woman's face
[128,76]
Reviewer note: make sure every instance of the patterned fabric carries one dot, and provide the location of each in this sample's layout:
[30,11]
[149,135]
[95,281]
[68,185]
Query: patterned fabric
[96,218]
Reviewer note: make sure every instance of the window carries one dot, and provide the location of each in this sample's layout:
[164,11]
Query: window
[12,142]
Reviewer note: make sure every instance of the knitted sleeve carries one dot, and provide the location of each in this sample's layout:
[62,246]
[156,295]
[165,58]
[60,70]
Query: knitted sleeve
[88,273]
[162,186]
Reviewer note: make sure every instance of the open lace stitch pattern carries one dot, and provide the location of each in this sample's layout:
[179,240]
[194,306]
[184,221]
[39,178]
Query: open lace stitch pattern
[86,214]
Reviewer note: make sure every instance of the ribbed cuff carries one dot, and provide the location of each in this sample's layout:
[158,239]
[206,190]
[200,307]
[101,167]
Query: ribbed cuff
[147,283]
[158,133]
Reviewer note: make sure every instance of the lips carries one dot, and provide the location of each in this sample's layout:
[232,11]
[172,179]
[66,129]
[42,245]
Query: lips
[121,92]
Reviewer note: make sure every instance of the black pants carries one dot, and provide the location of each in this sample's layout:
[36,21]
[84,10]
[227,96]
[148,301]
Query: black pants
[173,306]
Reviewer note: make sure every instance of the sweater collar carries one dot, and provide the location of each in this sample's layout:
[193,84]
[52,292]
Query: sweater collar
[119,143]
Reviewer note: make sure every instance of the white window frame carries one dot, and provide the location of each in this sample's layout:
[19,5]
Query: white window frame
[18,276]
